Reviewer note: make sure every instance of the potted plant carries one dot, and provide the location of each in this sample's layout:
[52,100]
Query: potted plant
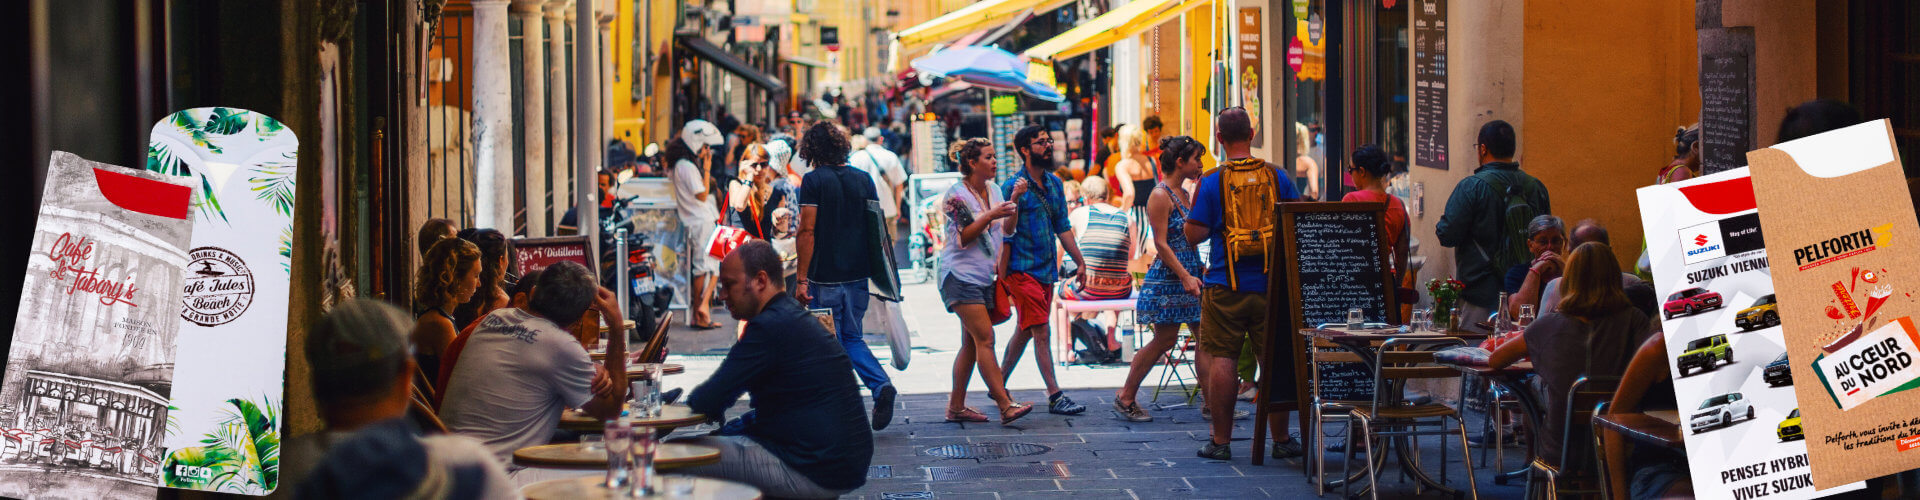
[1445,293]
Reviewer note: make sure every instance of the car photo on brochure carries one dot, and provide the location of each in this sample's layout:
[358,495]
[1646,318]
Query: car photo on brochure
[1762,314]
[1690,302]
[1719,411]
[1789,429]
[1705,353]
[1778,372]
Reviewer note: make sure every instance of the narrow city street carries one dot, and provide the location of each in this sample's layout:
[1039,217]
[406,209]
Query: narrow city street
[1091,455]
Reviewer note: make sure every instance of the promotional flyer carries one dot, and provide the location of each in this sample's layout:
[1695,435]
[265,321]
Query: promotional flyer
[1840,217]
[1717,304]
[84,404]
[230,363]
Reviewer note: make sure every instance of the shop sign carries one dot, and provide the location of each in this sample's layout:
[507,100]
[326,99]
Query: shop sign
[1314,28]
[1296,56]
[1299,9]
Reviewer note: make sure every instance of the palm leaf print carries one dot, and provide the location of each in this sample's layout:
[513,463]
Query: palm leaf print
[266,127]
[241,455]
[286,248]
[226,121]
[273,183]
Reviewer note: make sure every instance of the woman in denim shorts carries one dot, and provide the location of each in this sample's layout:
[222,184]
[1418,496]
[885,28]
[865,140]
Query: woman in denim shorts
[968,264]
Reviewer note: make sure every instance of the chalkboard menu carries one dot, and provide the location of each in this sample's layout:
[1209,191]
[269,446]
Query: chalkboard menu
[1726,112]
[1430,83]
[1336,261]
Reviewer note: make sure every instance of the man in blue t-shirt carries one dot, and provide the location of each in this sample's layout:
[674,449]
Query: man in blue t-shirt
[1233,305]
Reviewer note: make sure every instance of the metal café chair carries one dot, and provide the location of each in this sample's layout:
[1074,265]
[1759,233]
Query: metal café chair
[1177,357]
[1591,393]
[1400,360]
[1323,410]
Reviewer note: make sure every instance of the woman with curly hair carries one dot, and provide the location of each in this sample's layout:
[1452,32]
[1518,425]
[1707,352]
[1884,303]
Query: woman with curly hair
[448,276]
[492,293]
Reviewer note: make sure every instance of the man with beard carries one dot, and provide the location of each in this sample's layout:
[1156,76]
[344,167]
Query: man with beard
[1032,267]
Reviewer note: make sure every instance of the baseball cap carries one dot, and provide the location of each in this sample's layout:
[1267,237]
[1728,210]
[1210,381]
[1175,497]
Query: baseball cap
[872,133]
[701,133]
[362,337]
[778,154]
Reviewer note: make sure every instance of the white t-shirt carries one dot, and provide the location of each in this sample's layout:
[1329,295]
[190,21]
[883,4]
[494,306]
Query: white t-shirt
[301,454]
[687,183]
[516,375]
[885,168]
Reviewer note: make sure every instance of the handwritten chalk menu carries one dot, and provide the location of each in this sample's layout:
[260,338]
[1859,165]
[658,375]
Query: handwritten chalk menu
[1336,261]
[1726,112]
[1430,83]
[537,253]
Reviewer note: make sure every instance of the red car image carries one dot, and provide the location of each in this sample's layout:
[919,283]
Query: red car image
[1691,301]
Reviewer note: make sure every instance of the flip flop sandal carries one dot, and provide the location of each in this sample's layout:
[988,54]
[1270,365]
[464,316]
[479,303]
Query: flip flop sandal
[1019,410]
[708,326]
[967,414]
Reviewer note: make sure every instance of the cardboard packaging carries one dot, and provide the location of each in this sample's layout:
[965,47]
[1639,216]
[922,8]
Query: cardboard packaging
[1841,226]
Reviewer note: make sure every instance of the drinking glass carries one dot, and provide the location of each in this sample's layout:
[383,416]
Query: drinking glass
[1453,318]
[1422,320]
[1356,319]
[641,396]
[677,485]
[644,446]
[592,442]
[1526,316]
[620,440]
[654,403]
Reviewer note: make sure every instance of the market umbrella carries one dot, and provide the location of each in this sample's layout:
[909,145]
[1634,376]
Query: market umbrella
[988,67]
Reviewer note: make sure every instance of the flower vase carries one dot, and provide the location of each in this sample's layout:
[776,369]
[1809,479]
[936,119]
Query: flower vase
[1442,313]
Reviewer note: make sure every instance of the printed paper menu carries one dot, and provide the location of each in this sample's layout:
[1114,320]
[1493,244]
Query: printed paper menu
[1838,213]
[1731,376]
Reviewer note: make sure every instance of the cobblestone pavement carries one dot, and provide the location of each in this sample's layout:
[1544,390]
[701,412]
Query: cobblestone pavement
[1092,455]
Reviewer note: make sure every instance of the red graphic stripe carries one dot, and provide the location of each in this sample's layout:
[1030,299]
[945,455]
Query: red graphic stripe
[142,195]
[1724,197]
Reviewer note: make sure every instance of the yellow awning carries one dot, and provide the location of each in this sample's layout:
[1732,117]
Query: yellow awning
[1116,25]
[970,18]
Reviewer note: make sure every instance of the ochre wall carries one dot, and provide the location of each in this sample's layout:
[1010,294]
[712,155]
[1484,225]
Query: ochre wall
[1606,85]
[1484,84]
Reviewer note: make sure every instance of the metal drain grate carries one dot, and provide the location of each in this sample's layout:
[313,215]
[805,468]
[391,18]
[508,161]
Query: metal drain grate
[987,450]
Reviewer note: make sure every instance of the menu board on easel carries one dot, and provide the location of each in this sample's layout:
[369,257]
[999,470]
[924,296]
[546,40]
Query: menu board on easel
[1335,260]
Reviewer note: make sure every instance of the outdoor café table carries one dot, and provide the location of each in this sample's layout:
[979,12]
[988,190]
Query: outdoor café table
[1365,344]
[1513,378]
[594,488]
[671,417]
[576,456]
[1658,428]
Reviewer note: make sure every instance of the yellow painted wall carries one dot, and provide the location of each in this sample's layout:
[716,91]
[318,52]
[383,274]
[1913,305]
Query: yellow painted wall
[1606,84]
[630,117]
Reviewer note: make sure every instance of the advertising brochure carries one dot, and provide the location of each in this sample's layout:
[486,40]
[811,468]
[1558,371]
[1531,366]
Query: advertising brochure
[1730,371]
[1839,216]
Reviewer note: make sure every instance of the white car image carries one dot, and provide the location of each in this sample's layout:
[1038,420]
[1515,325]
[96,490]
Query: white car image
[1719,411]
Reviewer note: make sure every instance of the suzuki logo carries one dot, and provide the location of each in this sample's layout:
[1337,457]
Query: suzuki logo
[1700,240]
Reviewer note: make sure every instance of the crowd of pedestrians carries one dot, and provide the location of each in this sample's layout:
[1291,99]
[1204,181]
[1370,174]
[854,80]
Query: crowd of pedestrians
[490,354]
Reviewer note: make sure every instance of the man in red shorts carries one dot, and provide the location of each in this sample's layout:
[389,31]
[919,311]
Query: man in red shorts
[1031,267]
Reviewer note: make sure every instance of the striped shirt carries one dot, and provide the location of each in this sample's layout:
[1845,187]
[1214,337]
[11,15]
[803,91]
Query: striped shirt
[1105,241]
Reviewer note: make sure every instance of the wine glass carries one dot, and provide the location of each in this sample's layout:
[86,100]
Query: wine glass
[620,441]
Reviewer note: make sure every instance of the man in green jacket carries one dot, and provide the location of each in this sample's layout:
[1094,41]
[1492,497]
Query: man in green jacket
[1476,224]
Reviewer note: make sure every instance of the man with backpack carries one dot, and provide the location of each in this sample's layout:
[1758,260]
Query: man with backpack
[1486,220]
[1031,267]
[1233,209]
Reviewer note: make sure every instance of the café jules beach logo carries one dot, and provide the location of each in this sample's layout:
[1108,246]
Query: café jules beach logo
[69,256]
[219,287]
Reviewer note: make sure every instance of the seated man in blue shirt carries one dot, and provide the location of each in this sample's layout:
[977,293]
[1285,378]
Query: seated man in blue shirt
[809,437]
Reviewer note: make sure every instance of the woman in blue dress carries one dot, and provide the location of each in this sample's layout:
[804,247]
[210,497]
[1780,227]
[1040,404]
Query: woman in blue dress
[1170,293]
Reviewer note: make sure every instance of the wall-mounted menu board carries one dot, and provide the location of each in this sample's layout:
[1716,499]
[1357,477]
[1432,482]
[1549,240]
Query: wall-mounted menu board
[1335,260]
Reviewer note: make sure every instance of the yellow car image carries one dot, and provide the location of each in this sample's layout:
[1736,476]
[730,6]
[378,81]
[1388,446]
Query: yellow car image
[1762,314]
[1790,428]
